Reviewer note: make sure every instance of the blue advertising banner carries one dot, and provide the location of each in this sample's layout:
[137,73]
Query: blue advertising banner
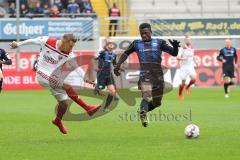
[196,27]
[31,28]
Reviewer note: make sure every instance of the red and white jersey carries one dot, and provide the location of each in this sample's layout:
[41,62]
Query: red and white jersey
[186,52]
[50,56]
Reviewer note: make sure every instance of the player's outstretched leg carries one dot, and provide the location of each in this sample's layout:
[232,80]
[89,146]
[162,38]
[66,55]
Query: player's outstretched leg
[157,94]
[143,112]
[111,96]
[146,89]
[73,95]
[192,81]
[61,110]
[180,91]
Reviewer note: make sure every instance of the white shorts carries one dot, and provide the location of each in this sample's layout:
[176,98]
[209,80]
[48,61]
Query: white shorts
[56,90]
[187,71]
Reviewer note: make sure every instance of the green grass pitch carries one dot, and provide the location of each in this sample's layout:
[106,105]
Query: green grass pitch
[27,133]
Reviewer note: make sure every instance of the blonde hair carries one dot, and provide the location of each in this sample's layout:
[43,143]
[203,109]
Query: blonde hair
[70,37]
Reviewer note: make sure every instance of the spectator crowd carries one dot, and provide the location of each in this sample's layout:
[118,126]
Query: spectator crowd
[46,8]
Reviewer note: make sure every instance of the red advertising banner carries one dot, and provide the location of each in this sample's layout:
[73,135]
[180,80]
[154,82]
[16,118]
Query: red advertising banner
[209,70]
[23,77]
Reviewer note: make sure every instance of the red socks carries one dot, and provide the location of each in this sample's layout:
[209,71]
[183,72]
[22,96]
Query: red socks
[73,95]
[61,111]
[190,83]
[180,90]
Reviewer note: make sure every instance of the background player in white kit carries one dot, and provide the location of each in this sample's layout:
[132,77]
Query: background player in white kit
[187,63]
[54,54]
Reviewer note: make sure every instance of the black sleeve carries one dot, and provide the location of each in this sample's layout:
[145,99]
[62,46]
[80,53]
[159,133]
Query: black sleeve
[130,49]
[167,48]
[100,55]
[126,53]
[220,56]
[235,56]
[6,61]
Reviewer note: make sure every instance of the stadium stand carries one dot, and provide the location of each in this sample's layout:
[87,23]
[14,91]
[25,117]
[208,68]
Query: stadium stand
[46,8]
[185,8]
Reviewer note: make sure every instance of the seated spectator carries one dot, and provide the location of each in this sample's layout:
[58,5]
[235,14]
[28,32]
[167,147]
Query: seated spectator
[54,12]
[12,9]
[73,7]
[46,10]
[23,10]
[87,7]
[32,3]
[3,12]
[59,4]
[64,4]
[81,5]
[38,9]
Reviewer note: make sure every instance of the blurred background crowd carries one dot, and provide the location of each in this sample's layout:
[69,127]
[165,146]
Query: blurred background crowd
[46,8]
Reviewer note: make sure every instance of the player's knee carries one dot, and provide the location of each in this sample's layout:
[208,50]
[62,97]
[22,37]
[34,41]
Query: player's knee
[183,83]
[63,103]
[66,86]
[193,80]
[227,79]
[147,98]
[113,93]
[112,90]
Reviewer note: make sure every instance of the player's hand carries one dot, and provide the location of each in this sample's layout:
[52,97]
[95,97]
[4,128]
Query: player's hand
[116,71]
[91,82]
[1,62]
[223,61]
[236,66]
[175,43]
[96,69]
[14,45]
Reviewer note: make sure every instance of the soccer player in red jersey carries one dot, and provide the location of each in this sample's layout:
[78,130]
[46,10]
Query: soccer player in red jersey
[187,63]
[53,54]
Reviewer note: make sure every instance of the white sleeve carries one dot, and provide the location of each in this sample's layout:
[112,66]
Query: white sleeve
[72,60]
[38,41]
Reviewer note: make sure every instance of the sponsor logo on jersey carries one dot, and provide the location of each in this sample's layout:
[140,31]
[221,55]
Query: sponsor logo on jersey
[50,60]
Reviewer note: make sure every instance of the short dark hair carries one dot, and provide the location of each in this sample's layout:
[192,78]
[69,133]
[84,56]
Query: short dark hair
[145,25]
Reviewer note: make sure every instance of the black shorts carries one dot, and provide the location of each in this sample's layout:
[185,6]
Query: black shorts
[156,79]
[228,72]
[104,80]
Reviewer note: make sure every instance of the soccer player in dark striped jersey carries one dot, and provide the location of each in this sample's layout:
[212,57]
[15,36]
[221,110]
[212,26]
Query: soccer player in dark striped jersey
[4,59]
[106,58]
[151,82]
[228,57]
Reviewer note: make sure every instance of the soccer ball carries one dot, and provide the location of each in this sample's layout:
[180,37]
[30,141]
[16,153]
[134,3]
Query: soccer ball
[192,131]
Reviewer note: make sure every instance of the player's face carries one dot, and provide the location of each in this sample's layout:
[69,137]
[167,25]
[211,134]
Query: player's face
[110,46]
[146,34]
[67,45]
[187,41]
[228,43]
